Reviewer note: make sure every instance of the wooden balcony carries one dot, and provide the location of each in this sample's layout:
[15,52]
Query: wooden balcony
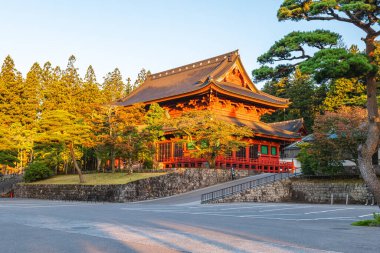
[262,164]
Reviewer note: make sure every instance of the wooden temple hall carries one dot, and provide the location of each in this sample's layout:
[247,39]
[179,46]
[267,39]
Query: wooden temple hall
[222,85]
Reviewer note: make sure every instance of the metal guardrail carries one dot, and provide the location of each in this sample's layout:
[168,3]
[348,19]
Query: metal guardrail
[218,194]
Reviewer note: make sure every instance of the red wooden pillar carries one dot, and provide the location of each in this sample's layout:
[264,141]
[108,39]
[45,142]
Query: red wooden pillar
[171,151]
[247,161]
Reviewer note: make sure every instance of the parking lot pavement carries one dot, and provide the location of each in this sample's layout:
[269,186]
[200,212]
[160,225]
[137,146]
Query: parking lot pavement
[281,211]
[56,226]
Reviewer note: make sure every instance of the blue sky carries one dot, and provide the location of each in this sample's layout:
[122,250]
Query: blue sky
[154,34]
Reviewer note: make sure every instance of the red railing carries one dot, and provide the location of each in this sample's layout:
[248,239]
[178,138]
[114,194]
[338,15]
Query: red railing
[262,164]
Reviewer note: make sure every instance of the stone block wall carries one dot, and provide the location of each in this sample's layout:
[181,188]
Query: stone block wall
[304,191]
[178,181]
[320,191]
[279,191]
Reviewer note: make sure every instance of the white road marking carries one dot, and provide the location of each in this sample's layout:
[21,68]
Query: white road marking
[366,215]
[331,210]
[263,217]
[246,207]
[39,206]
[280,209]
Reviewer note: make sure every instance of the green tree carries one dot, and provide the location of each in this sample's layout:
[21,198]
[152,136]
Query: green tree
[8,155]
[90,97]
[128,87]
[113,130]
[72,86]
[336,138]
[155,119]
[331,61]
[208,136]
[141,77]
[345,92]
[11,87]
[303,94]
[113,86]
[62,127]
[53,91]
[31,96]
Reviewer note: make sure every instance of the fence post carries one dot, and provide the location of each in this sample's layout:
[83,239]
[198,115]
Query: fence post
[332,198]
[347,199]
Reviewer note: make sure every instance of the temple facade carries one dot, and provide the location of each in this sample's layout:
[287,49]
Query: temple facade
[219,84]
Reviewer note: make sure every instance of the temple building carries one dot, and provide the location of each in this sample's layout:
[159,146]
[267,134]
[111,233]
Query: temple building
[222,85]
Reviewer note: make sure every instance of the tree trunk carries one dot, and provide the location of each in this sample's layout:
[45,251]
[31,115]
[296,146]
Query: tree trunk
[112,160]
[98,163]
[212,161]
[81,178]
[367,149]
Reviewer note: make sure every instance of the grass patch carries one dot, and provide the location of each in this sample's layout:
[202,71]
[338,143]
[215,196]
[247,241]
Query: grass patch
[369,223]
[98,178]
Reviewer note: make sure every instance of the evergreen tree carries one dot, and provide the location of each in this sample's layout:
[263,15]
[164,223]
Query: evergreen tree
[302,92]
[113,86]
[129,87]
[59,126]
[32,95]
[11,87]
[72,85]
[141,77]
[90,97]
[345,92]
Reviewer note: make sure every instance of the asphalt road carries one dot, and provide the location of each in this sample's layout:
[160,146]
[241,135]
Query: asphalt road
[56,226]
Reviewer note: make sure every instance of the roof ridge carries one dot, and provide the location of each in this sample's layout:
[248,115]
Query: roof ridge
[278,129]
[285,121]
[274,97]
[193,65]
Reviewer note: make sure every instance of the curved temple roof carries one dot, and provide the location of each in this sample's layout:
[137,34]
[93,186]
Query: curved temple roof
[263,129]
[290,125]
[199,77]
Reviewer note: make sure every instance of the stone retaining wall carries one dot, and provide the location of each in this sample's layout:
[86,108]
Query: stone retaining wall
[305,191]
[180,181]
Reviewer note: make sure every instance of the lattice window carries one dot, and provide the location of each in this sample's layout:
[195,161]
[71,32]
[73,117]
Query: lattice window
[178,150]
[240,153]
[254,151]
[164,151]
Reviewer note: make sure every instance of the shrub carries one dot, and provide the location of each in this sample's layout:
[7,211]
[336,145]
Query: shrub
[36,171]
[148,164]
[308,162]
[369,223]
[319,159]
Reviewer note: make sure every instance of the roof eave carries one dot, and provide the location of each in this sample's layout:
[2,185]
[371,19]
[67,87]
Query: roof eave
[259,101]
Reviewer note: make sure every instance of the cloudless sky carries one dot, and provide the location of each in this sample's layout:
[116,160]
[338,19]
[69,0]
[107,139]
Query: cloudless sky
[152,34]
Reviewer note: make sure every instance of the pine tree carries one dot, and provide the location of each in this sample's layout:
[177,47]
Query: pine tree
[345,92]
[113,86]
[11,87]
[129,87]
[141,77]
[59,126]
[90,96]
[32,95]
[72,84]
[303,94]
